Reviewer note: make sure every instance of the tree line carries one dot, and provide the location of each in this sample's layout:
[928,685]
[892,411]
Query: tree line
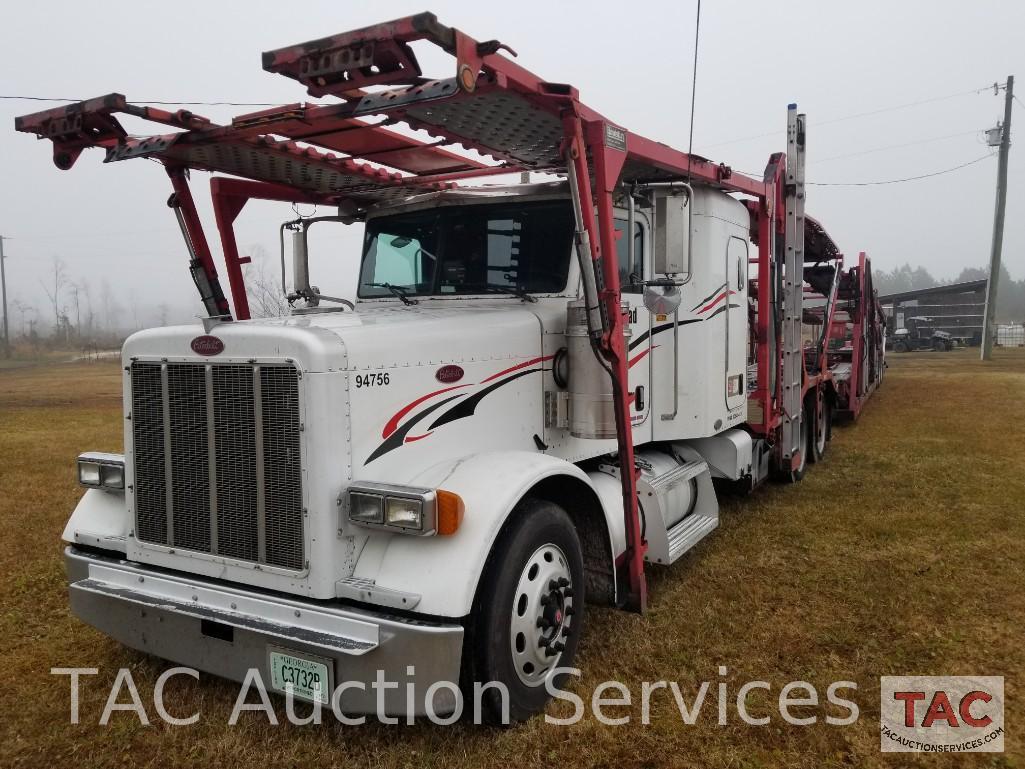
[73,313]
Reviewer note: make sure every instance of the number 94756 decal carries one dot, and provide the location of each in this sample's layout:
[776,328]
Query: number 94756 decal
[373,380]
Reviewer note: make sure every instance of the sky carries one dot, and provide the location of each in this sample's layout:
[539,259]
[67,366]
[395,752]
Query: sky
[922,70]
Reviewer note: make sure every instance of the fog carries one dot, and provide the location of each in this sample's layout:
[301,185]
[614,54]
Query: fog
[892,90]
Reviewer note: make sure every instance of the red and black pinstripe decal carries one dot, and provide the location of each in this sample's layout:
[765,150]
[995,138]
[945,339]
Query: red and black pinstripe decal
[709,298]
[710,301]
[396,434]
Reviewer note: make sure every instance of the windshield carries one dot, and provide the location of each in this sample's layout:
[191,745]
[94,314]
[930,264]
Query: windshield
[473,249]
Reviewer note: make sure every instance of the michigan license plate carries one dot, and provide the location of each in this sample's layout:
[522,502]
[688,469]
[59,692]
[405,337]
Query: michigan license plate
[309,676]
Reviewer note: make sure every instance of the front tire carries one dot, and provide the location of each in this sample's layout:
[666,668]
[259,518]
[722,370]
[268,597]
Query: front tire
[528,612]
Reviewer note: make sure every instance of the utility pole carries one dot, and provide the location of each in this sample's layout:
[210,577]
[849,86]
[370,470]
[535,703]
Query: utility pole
[988,320]
[3,289]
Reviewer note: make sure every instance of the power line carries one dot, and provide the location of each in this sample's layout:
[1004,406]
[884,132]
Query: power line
[857,115]
[894,146]
[905,179]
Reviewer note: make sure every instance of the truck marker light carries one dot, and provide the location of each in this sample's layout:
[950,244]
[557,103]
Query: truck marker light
[450,512]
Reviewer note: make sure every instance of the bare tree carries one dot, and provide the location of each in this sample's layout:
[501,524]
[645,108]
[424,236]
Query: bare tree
[73,289]
[53,288]
[111,308]
[90,316]
[263,286]
[22,309]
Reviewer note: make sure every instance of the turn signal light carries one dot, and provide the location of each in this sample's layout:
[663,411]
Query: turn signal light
[450,512]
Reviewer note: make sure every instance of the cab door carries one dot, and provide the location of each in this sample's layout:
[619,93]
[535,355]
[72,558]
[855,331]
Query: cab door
[631,277]
[735,383]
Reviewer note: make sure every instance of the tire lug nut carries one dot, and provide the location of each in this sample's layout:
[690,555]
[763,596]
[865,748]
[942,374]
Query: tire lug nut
[565,632]
[544,600]
[567,592]
[558,646]
[541,622]
[569,611]
[553,585]
[563,582]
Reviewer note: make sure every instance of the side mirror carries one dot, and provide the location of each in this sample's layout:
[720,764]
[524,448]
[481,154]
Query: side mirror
[672,233]
[301,267]
[662,299]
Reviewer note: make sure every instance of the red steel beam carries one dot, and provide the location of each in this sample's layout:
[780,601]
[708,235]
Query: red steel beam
[229,198]
[581,139]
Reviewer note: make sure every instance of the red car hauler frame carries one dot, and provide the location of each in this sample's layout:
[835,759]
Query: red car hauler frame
[347,154]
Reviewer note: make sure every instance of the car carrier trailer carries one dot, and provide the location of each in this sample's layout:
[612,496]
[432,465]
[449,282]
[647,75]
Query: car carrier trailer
[529,399]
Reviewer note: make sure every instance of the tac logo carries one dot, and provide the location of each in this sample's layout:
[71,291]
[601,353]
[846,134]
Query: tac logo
[941,714]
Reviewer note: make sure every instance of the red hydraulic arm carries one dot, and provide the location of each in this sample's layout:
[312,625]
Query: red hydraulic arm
[201,265]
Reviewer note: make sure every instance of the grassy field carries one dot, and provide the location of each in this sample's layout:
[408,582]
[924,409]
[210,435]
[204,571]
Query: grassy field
[900,554]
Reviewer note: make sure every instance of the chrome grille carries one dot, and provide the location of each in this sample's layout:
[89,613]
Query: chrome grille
[217,462]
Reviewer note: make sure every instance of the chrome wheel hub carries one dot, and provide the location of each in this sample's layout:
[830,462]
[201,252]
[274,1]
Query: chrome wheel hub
[542,613]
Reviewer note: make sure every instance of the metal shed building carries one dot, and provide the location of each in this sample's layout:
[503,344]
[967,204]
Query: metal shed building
[957,309]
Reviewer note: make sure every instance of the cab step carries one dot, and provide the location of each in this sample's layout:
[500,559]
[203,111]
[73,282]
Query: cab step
[678,502]
[688,532]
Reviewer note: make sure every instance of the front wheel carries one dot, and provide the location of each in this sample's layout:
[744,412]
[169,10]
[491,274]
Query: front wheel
[939,345]
[528,613]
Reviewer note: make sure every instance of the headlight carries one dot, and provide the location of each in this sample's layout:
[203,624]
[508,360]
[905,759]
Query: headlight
[405,512]
[406,509]
[366,508]
[97,470]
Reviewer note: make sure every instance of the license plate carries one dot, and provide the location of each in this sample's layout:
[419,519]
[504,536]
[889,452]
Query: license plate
[309,675]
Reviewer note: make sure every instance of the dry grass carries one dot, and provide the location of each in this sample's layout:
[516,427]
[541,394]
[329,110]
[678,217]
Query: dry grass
[900,554]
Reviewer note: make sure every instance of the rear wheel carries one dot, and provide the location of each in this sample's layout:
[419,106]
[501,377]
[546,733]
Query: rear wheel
[822,414]
[528,612]
[901,346]
[795,475]
[939,345]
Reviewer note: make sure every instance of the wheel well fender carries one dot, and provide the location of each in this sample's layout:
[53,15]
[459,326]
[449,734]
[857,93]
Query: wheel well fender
[578,498]
[100,520]
[444,571]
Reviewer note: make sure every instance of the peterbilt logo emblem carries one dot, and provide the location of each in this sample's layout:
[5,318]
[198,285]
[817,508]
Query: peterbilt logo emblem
[207,345]
[449,374]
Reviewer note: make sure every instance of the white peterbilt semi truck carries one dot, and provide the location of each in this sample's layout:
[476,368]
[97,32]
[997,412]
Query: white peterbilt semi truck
[528,398]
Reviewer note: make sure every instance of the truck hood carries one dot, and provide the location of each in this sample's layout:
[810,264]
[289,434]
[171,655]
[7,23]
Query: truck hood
[377,337]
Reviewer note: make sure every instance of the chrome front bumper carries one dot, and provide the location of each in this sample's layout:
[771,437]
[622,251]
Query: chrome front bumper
[226,630]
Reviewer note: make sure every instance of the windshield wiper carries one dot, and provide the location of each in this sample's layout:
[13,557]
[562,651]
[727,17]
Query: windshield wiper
[399,291]
[520,292]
